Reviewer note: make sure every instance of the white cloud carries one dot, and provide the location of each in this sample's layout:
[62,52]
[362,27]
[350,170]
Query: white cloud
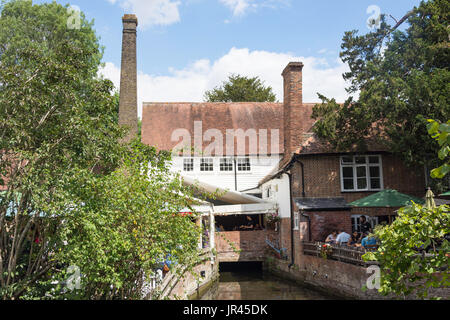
[241,7]
[152,12]
[237,6]
[190,83]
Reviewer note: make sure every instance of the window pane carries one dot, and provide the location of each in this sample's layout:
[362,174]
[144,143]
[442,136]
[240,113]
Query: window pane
[347,172]
[226,164]
[361,172]
[374,172]
[360,160]
[362,183]
[348,184]
[188,164]
[375,183]
[347,160]
[206,164]
[244,164]
[374,159]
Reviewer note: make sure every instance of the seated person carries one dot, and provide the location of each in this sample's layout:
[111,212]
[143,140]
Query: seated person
[368,240]
[342,238]
[354,239]
[331,237]
[248,225]
[365,225]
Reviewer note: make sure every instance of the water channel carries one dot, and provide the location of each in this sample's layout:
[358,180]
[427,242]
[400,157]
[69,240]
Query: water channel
[254,284]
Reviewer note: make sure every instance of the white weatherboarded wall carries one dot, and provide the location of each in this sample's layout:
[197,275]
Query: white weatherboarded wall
[260,167]
[277,190]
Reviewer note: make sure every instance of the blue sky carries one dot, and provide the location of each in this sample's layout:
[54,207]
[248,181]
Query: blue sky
[188,46]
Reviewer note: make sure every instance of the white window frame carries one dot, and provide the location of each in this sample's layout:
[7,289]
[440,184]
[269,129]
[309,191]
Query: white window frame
[371,219]
[226,162]
[296,221]
[355,165]
[191,163]
[243,161]
[209,162]
[269,192]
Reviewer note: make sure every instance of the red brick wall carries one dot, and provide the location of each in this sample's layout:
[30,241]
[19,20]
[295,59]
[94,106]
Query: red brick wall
[285,234]
[324,222]
[252,243]
[322,178]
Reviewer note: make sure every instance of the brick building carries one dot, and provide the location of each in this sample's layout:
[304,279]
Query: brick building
[311,183]
[323,182]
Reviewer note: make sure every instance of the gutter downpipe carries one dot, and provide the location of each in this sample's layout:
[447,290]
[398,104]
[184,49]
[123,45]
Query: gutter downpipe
[288,167]
[235,174]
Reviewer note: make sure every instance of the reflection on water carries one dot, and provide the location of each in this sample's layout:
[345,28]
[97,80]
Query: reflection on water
[259,286]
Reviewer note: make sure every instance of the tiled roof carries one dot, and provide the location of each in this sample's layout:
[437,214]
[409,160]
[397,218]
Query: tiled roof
[160,120]
[321,204]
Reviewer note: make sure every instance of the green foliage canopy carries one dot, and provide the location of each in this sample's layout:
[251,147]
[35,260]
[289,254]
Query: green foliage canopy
[402,78]
[241,89]
[74,195]
[441,133]
[413,252]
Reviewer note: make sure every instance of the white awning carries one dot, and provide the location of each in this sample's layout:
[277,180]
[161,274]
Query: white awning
[227,196]
[245,209]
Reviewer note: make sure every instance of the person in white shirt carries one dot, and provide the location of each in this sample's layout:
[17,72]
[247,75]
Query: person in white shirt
[343,237]
[332,237]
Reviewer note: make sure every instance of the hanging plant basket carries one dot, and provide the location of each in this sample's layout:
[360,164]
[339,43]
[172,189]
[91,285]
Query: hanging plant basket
[272,221]
[326,251]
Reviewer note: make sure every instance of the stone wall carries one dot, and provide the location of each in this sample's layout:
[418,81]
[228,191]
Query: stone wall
[340,279]
[334,277]
[192,284]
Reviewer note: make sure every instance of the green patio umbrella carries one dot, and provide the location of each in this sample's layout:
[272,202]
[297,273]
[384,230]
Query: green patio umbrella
[430,199]
[445,194]
[387,199]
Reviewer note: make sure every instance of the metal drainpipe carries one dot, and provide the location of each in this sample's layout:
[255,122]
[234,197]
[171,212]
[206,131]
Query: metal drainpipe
[235,174]
[295,159]
[292,221]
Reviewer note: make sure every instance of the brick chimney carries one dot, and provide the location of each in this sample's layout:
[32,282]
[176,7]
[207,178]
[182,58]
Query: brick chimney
[128,78]
[292,108]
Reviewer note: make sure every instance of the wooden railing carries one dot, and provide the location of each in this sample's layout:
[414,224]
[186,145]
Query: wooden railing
[352,255]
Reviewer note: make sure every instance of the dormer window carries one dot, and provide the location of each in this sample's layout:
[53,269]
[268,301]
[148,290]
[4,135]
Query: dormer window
[361,173]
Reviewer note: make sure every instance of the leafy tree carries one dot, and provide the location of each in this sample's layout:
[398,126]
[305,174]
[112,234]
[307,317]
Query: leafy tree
[73,194]
[413,252]
[402,78]
[241,89]
[120,227]
[414,249]
[441,133]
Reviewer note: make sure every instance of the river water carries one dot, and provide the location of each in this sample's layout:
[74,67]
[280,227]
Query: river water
[259,286]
